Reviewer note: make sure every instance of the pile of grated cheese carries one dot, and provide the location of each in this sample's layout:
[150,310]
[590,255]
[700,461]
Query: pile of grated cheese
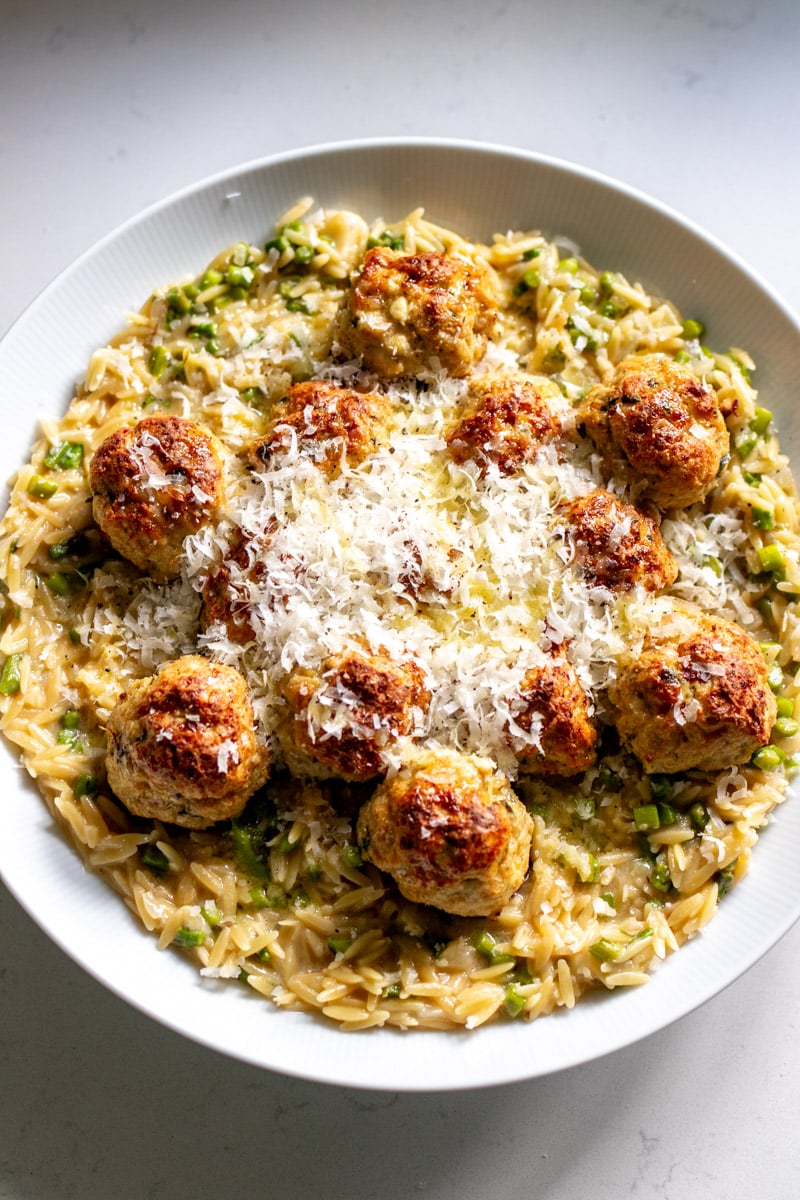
[468,575]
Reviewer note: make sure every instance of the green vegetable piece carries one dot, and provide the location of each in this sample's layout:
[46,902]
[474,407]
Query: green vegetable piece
[613,308]
[252,395]
[785,706]
[534,252]
[592,874]
[763,518]
[645,816]
[604,950]
[693,329]
[531,278]
[713,564]
[393,241]
[486,945]
[157,362]
[297,304]
[85,785]
[513,1001]
[569,265]
[240,276]
[393,992]
[610,899]
[699,815]
[286,845]
[667,815]
[607,282]
[660,877]
[70,719]
[304,254]
[59,550]
[59,583]
[682,356]
[751,479]
[153,858]
[775,677]
[42,488]
[64,456]
[588,296]
[661,787]
[725,880]
[772,560]
[71,738]
[339,943]
[11,675]
[745,443]
[202,329]
[760,420]
[279,243]
[211,278]
[351,856]
[764,607]
[212,915]
[786,726]
[189,937]
[768,758]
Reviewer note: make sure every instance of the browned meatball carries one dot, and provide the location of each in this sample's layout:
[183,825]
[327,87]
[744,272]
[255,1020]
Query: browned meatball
[450,831]
[344,719]
[696,696]
[229,585]
[407,310]
[660,428]
[617,545]
[329,422]
[153,484]
[554,706]
[506,422]
[182,744]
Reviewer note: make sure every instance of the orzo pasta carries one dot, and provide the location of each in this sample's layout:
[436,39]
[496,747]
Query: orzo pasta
[405,627]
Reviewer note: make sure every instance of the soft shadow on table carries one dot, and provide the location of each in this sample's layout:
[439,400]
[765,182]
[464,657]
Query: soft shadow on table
[99,1101]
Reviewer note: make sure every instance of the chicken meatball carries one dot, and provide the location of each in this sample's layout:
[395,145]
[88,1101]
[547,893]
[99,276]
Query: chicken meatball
[615,545]
[183,747]
[343,720]
[660,428]
[556,712]
[152,485]
[695,696]
[506,421]
[410,312]
[450,831]
[231,585]
[329,423]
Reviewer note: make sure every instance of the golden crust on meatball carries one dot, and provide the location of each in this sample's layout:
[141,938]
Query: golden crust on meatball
[554,706]
[616,545]
[696,696]
[330,424]
[506,422]
[153,484]
[450,831]
[182,744]
[406,310]
[343,719]
[660,428]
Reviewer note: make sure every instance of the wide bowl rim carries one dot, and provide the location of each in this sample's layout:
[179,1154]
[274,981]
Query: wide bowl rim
[365,1076]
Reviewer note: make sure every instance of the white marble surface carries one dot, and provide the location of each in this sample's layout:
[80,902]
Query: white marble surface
[106,106]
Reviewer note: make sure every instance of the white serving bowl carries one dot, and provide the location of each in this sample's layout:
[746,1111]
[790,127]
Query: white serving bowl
[476,189]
